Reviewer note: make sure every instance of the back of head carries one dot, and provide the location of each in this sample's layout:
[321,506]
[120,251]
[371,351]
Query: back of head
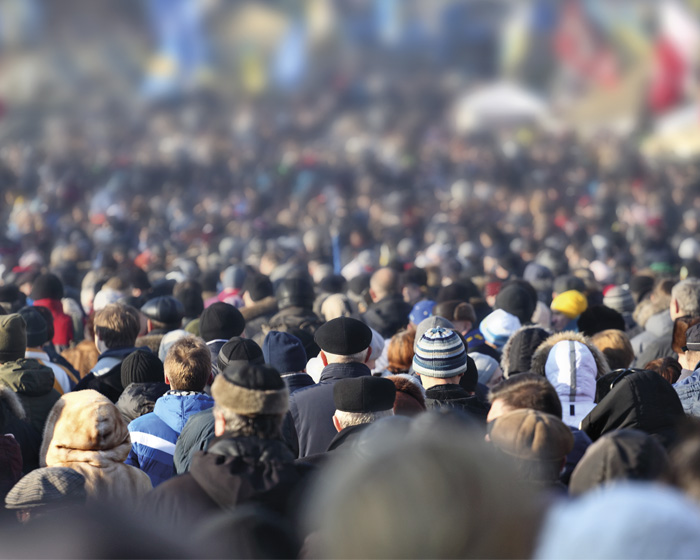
[37,332]
[239,349]
[455,310]
[13,337]
[598,318]
[462,290]
[189,294]
[515,298]
[528,390]
[258,286]
[295,292]
[117,326]
[518,350]
[141,366]
[615,346]
[362,400]
[221,321]
[233,277]
[687,295]
[344,339]
[165,312]
[48,489]
[384,282]
[188,364]
[284,352]
[400,352]
[440,353]
[47,286]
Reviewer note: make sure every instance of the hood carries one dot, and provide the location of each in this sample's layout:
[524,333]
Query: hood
[642,400]
[518,351]
[139,399]
[239,470]
[10,401]
[27,377]
[84,427]
[175,407]
[620,455]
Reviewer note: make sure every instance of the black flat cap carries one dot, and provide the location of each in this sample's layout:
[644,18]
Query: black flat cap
[364,394]
[343,336]
[240,350]
[164,309]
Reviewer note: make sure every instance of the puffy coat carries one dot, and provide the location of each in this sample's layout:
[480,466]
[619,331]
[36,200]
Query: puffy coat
[139,399]
[86,433]
[33,384]
[572,364]
[154,435]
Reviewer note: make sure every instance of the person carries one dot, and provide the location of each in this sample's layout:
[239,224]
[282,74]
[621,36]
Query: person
[566,308]
[688,389]
[295,299]
[388,311]
[163,314]
[86,433]
[285,352]
[259,303]
[345,349]
[247,464]
[400,352]
[186,370]
[517,352]
[497,327]
[47,291]
[116,330]
[615,346]
[410,395]
[219,323]
[143,379]
[31,381]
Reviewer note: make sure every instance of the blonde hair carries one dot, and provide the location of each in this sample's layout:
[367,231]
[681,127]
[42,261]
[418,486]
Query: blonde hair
[117,325]
[615,346]
[188,364]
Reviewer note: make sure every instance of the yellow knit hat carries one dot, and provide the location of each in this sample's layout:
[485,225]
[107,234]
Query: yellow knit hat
[571,303]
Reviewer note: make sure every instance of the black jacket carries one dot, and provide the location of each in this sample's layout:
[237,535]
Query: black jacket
[455,396]
[139,399]
[296,381]
[388,315]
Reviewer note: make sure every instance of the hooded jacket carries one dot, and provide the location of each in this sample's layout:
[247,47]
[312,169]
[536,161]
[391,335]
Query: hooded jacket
[86,433]
[642,400]
[388,315]
[571,363]
[154,435]
[13,421]
[33,384]
[518,351]
[235,471]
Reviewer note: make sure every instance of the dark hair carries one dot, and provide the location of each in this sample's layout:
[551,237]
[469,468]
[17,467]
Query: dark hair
[528,390]
[668,368]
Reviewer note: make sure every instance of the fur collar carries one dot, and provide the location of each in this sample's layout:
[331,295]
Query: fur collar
[539,358]
[405,384]
[9,399]
[265,306]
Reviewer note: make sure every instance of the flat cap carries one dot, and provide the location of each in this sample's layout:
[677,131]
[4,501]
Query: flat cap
[49,486]
[364,394]
[164,309]
[343,336]
[239,349]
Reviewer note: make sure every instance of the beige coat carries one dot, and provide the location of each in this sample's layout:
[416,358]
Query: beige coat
[86,432]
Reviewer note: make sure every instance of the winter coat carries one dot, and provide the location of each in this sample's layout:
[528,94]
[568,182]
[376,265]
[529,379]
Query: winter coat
[64,380]
[455,396]
[235,471]
[572,364]
[296,381]
[33,384]
[139,399]
[106,375]
[83,356]
[518,351]
[153,436]
[86,433]
[657,327]
[195,436]
[388,315]
[294,318]
[642,400]
[62,323]
[308,427]
[13,421]
[688,391]
[258,314]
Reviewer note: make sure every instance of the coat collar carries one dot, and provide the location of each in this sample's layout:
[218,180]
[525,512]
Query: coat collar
[344,371]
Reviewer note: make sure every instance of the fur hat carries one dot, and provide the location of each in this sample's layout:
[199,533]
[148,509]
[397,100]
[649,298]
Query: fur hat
[250,390]
[410,395]
[13,337]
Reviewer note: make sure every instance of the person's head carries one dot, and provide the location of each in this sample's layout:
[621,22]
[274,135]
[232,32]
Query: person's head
[189,294]
[249,401]
[142,366]
[525,390]
[188,365]
[344,340]
[615,346]
[239,349]
[668,368]
[47,286]
[116,326]
[690,357]
[362,400]
[517,298]
[384,282]
[566,309]
[488,369]
[497,327]
[48,318]
[163,313]
[37,333]
[256,288]
[233,278]
[221,321]
[440,357]
[685,299]
[284,352]
[295,292]
[414,285]
[460,313]
[400,352]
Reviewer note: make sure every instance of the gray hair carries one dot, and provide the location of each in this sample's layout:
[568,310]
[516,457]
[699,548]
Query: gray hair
[264,426]
[687,294]
[360,357]
[347,419]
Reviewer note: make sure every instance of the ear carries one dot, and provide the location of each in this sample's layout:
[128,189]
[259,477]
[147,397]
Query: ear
[149,325]
[219,425]
[167,380]
[369,353]
[372,295]
[324,359]
[674,305]
[336,423]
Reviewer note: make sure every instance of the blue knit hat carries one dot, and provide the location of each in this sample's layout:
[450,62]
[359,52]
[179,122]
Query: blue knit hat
[421,310]
[284,352]
[498,326]
[440,353]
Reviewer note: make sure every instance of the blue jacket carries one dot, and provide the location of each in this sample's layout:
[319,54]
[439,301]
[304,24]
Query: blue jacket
[308,427]
[153,435]
[689,392]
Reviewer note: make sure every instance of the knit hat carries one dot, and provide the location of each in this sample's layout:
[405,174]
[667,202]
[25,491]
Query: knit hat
[48,486]
[598,318]
[364,394]
[141,366]
[239,350]
[516,300]
[486,366]
[343,336]
[284,352]
[440,353]
[532,435]
[13,337]
[37,331]
[220,320]
[426,324]
[250,390]
[233,277]
[571,304]
[421,310]
[47,286]
[619,299]
[498,326]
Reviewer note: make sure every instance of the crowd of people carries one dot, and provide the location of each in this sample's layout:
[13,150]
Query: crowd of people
[338,328]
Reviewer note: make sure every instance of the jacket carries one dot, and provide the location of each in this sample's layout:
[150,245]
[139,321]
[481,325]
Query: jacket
[64,380]
[657,326]
[13,421]
[86,433]
[194,437]
[258,314]
[308,427]
[153,435]
[642,400]
[62,323]
[106,375]
[296,381]
[688,391]
[235,471]
[572,364]
[518,350]
[83,356]
[455,396]
[388,315]
[139,399]
[33,384]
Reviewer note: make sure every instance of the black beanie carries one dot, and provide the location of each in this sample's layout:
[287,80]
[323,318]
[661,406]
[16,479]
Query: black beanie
[598,318]
[37,333]
[517,300]
[220,321]
[142,366]
[239,350]
[47,286]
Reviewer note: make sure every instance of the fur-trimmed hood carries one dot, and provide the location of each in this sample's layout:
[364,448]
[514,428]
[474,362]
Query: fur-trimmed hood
[10,401]
[518,351]
[539,358]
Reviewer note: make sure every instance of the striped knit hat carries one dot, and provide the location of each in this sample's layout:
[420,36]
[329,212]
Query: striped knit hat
[440,353]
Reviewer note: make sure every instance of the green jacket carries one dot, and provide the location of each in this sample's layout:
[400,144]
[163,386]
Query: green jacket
[33,384]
